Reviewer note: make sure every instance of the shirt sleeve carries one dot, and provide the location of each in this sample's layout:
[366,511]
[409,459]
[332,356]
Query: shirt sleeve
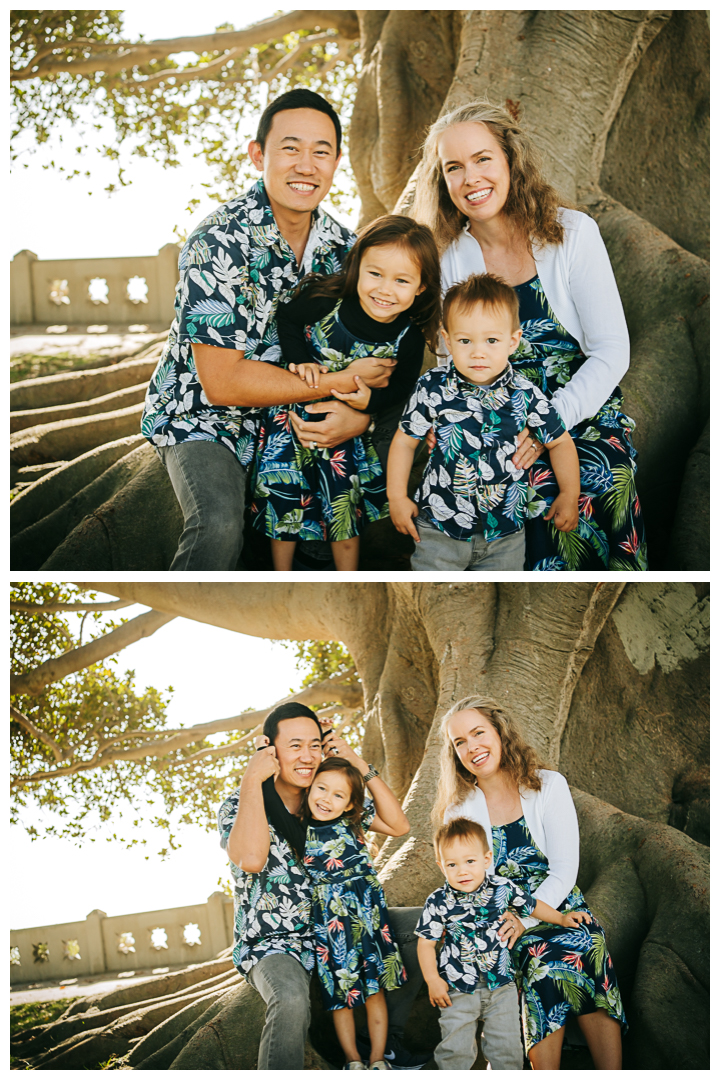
[405,374]
[226,818]
[420,412]
[368,814]
[521,900]
[594,293]
[562,840]
[213,307]
[543,419]
[431,923]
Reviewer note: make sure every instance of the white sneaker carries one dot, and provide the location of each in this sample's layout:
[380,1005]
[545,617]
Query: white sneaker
[354,1065]
[379,1065]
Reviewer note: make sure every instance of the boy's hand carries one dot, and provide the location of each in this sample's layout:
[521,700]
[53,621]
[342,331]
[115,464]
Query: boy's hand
[438,993]
[359,399]
[575,918]
[402,513]
[309,373]
[563,513]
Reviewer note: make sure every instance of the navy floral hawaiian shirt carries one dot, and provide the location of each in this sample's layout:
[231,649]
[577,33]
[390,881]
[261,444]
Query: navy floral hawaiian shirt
[273,909]
[470,484]
[235,269]
[470,922]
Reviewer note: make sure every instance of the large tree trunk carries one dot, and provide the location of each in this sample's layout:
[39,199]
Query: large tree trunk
[611,98]
[601,678]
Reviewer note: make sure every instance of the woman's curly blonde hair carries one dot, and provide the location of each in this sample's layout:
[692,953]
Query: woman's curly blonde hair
[519,760]
[532,204]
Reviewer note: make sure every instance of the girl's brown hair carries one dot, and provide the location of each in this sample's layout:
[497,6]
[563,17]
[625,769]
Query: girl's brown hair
[402,232]
[532,204]
[517,757]
[354,813]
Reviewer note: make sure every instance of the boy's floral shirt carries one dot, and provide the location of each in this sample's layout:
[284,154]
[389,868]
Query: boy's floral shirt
[235,269]
[273,909]
[470,485]
[470,923]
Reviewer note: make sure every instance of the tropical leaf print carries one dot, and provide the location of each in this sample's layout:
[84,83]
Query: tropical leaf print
[465,477]
[450,440]
[622,494]
[212,313]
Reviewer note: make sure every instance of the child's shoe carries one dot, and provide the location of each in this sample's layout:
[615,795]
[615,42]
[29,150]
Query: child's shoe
[379,1065]
[355,1065]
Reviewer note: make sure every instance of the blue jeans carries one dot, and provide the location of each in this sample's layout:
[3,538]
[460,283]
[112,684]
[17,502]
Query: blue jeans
[209,483]
[501,1039]
[438,551]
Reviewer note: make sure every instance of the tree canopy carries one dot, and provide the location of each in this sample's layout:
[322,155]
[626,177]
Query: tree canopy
[85,743]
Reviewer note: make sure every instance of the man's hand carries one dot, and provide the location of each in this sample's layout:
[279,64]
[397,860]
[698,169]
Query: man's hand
[403,512]
[340,424]
[264,761]
[374,370]
[563,513]
[335,746]
[357,399]
[309,373]
[438,993]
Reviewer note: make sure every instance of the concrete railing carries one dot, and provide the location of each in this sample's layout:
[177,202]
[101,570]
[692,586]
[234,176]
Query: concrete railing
[129,290]
[102,943]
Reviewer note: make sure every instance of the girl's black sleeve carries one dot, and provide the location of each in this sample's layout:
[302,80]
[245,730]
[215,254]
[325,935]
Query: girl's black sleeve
[292,318]
[404,376]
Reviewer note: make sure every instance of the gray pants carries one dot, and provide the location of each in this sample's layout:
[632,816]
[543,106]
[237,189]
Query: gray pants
[501,1040]
[438,551]
[209,483]
[284,985]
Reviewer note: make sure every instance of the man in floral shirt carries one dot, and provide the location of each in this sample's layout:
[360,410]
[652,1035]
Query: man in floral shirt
[274,935]
[240,263]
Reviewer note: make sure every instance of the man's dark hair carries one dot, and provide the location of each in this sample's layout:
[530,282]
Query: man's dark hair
[297,99]
[289,711]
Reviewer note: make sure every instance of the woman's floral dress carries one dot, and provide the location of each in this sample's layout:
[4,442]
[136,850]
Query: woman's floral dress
[323,494]
[356,952]
[611,533]
[564,972]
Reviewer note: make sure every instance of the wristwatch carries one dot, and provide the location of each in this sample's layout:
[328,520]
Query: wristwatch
[370,774]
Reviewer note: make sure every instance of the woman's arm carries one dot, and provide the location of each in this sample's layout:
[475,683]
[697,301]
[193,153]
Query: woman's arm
[594,292]
[562,839]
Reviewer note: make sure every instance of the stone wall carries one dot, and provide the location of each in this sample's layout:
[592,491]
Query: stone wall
[102,943]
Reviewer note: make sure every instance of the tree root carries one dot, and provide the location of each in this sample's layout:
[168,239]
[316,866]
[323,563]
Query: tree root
[118,399]
[67,439]
[68,387]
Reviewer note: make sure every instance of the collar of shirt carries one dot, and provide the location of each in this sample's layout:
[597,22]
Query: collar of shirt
[269,235]
[478,898]
[460,385]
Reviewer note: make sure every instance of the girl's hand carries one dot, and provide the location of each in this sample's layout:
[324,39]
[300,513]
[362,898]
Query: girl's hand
[438,993]
[575,918]
[563,513]
[510,928]
[309,373]
[403,512]
[528,451]
[359,399]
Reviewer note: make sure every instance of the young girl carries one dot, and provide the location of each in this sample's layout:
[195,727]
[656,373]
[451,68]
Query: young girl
[357,957]
[384,303]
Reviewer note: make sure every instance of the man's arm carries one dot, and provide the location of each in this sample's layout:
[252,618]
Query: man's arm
[228,378]
[249,840]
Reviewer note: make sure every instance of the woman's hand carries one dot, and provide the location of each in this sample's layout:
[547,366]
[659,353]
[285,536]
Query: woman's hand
[309,373]
[340,424]
[575,918]
[510,928]
[528,451]
[357,399]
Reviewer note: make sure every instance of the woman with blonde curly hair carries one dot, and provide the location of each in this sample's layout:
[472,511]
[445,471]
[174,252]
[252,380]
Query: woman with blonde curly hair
[489,773]
[480,189]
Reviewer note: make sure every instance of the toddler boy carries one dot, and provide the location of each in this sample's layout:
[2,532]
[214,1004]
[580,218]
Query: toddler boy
[474,978]
[472,501]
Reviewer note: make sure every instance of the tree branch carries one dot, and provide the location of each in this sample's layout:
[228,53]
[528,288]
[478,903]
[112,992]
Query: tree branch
[181,75]
[36,732]
[34,682]
[344,22]
[109,605]
[289,59]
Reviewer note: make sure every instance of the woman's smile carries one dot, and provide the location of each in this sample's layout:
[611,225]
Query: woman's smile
[476,742]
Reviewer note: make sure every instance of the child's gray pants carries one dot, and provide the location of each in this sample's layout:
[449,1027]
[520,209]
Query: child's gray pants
[439,551]
[501,1040]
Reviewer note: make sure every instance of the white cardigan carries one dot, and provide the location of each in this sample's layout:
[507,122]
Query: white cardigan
[580,286]
[552,820]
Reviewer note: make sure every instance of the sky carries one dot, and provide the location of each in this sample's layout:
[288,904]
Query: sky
[215,673]
[134,220]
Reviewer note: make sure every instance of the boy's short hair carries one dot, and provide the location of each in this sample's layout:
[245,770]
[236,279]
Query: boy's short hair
[482,289]
[460,828]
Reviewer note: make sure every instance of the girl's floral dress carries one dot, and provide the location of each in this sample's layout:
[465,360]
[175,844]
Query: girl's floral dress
[611,533]
[323,494]
[564,971]
[356,952]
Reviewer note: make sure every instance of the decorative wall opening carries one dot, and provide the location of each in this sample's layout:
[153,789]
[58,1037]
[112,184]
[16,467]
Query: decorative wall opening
[71,950]
[98,290]
[158,938]
[191,934]
[41,952]
[126,943]
[137,290]
[14,956]
[59,292]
